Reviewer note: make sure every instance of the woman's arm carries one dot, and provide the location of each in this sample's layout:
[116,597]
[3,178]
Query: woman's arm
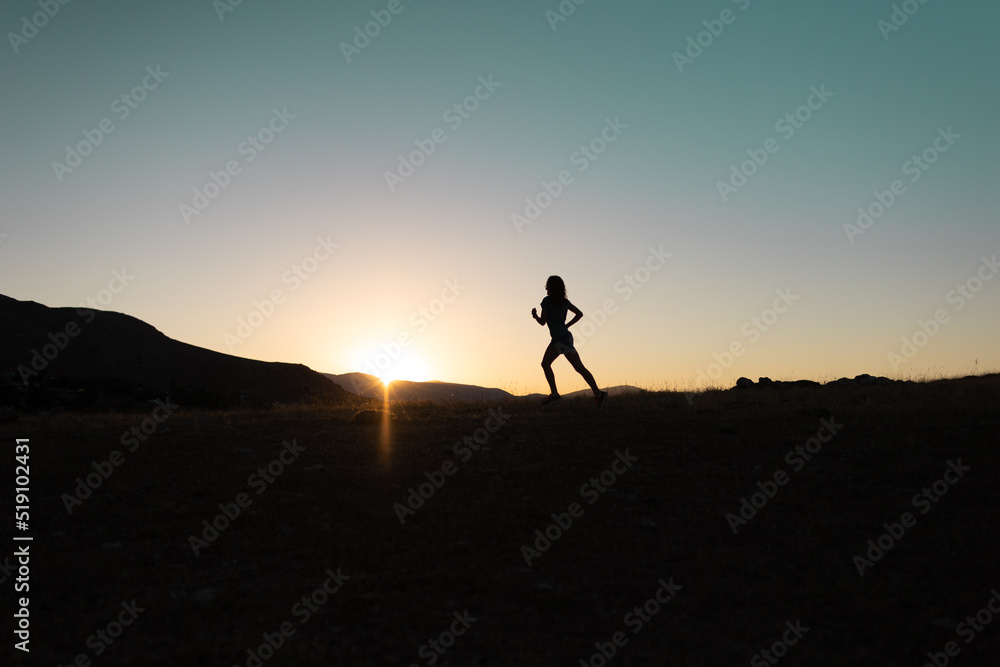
[577,314]
[543,319]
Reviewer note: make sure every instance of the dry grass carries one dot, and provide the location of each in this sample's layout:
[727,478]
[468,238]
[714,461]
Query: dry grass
[697,456]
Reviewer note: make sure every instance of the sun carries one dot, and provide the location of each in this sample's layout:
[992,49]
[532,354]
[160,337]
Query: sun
[408,365]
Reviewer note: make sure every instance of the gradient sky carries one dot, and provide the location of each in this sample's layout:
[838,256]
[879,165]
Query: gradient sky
[558,84]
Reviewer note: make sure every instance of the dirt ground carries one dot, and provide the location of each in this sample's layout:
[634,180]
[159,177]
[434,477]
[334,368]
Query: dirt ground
[661,529]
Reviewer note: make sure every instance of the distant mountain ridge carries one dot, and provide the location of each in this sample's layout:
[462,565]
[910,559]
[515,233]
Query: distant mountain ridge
[73,346]
[363,384]
[405,390]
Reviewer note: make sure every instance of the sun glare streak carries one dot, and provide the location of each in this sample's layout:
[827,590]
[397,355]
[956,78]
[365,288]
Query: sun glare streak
[385,434]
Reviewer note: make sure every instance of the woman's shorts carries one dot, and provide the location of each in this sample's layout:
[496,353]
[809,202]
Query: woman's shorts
[564,345]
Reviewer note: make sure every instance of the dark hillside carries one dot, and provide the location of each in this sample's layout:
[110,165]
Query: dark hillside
[67,346]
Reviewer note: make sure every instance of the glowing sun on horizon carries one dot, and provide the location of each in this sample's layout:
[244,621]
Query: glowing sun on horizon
[408,366]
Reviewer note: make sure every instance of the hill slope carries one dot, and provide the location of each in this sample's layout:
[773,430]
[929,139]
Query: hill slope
[92,347]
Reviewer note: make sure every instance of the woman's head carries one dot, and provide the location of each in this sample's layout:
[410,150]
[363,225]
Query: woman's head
[556,287]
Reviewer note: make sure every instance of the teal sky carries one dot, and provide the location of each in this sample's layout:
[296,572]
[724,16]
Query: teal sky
[892,94]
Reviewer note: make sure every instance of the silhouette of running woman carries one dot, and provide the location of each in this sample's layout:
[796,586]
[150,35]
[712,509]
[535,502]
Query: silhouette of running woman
[554,309]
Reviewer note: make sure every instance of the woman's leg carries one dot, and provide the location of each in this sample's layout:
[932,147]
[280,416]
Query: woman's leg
[551,354]
[574,359]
